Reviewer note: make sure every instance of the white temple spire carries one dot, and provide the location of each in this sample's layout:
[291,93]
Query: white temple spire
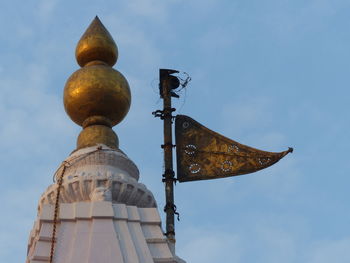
[103,215]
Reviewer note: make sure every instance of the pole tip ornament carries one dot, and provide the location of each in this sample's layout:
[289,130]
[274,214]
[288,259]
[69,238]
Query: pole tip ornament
[97,97]
[96,44]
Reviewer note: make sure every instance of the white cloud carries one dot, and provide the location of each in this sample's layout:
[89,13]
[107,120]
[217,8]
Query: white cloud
[217,38]
[27,107]
[330,251]
[24,32]
[278,246]
[136,48]
[290,19]
[151,9]
[207,246]
[246,113]
[46,8]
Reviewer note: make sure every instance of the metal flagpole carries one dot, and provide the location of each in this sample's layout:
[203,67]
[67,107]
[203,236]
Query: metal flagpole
[167,83]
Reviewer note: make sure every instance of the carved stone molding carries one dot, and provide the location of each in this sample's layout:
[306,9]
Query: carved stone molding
[99,173]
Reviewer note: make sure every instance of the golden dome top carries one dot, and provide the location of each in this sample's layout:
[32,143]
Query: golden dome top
[97,96]
[96,44]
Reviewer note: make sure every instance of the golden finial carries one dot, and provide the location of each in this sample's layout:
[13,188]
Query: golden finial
[96,44]
[97,96]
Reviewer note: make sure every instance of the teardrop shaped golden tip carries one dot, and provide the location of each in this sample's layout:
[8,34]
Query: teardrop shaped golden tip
[96,44]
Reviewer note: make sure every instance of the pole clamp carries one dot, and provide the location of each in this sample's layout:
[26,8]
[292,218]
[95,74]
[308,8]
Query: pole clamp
[162,113]
[167,145]
[158,114]
[172,207]
[168,110]
[168,173]
[169,176]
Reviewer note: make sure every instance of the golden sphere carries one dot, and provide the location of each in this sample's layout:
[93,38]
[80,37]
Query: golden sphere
[97,90]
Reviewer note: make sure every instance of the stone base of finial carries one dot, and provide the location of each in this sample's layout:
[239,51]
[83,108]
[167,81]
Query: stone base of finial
[95,232]
[99,173]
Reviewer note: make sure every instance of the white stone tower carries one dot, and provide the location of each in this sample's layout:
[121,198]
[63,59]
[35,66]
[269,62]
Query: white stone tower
[97,211]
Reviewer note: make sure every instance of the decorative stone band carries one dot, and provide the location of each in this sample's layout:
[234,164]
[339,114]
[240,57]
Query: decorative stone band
[87,187]
[98,174]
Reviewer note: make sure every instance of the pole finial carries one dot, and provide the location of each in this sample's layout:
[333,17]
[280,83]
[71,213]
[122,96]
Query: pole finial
[97,97]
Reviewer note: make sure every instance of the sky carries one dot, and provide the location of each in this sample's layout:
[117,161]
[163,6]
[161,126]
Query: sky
[269,74]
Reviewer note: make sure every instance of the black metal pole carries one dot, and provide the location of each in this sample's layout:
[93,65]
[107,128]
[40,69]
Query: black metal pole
[168,176]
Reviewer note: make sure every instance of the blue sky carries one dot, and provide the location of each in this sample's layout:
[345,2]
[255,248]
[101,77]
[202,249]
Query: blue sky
[269,74]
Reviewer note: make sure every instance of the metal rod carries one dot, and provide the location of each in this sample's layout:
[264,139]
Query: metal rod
[168,158]
[168,164]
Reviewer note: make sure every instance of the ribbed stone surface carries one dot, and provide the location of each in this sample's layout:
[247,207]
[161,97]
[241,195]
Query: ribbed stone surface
[105,233]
